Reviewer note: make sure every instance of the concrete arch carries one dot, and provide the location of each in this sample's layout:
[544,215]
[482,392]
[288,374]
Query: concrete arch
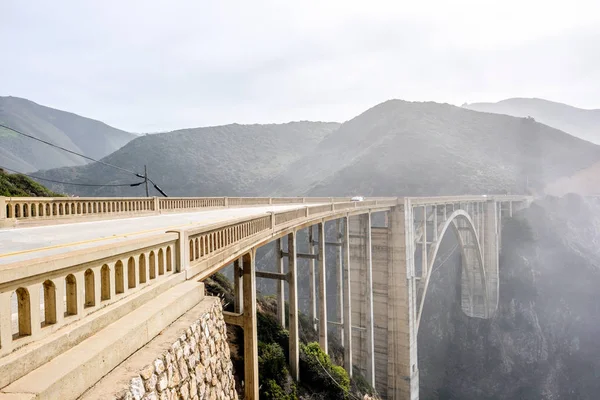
[473,274]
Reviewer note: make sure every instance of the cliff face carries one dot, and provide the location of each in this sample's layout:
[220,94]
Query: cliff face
[543,341]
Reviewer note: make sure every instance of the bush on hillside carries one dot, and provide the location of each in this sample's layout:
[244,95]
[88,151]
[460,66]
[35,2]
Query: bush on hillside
[321,375]
[273,372]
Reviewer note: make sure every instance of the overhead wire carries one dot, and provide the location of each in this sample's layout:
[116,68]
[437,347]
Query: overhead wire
[71,151]
[87,158]
[71,183]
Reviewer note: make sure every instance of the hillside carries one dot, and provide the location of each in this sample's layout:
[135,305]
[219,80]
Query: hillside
[15,185]
[214,161]
[584,124]
[83,135]
[410,148]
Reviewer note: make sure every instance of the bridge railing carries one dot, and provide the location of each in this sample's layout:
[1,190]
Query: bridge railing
[61,207]
[49,208]
[39,297]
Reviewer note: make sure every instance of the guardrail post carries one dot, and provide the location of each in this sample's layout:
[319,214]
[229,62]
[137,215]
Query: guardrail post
[225,201]
[2,207]
[156,205]
[182,256]
[272,221]
[306,212]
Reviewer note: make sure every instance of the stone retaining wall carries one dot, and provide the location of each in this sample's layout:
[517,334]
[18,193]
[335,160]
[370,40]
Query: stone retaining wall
[197,365]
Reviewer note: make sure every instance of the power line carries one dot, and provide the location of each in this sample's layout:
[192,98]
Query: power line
[71,183]
[89,158]
[71,151]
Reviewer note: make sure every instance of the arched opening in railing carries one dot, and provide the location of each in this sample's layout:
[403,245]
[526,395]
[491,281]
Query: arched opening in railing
[90,290]
[131,273]
[78,208]
[17,211]
[191,249]
[119,278]
[61,209]
[197,248]
[72,208]
[161,262]
[48,213]
[41,210]
[152,262]
[23,322]
[142,268]
[71,298]
[9,213]
[33,209]
[105,282]
[169,259]
[49,303]
[25,210]
[202,246]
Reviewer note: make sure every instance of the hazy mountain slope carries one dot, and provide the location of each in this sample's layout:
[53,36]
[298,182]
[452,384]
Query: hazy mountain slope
[406,148]
[584,182]
[213,161]
[83,135]
[584,124]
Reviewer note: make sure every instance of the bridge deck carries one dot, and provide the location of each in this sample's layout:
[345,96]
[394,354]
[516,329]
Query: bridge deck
[22,244]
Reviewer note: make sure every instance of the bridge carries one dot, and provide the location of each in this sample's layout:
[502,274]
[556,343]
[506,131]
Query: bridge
[85,283]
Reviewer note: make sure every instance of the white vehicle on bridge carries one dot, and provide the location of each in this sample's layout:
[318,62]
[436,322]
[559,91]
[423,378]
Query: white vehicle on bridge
[357,198]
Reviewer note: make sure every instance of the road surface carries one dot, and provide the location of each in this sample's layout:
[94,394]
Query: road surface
[19,244]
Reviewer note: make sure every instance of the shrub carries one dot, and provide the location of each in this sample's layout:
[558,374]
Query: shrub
[320,374]
[273,373]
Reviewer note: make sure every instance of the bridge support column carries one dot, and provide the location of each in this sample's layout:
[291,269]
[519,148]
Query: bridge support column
[280,284]
[238,283]
[362,294]
[347,303]
[339,283]
[312,280]
[369,325]
[294,345]
[491,248]
[322,290]
[403,373]
[250,332]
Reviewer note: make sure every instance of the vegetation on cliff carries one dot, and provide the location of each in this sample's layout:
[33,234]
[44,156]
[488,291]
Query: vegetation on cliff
[13,185]
[320,377]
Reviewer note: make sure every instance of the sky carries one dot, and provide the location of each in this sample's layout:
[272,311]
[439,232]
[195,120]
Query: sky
[152,66]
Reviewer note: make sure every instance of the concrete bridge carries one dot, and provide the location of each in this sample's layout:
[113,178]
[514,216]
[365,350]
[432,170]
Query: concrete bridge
[87,282]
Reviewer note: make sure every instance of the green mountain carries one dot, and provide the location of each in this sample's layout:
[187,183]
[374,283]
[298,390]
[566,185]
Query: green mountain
[214,161]
[584,124]
[15,185]
[83,135]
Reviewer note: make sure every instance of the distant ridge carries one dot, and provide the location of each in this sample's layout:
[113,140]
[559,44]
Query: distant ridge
[83,135]
[579,122]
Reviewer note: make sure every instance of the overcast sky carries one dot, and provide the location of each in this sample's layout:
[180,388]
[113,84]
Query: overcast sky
[148,66]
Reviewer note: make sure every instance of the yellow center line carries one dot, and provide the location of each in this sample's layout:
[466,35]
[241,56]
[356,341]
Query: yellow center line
[58,246]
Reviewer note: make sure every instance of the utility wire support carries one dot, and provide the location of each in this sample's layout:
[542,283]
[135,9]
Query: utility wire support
[146,180]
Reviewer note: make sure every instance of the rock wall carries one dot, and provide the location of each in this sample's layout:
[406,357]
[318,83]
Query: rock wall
[197,364]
